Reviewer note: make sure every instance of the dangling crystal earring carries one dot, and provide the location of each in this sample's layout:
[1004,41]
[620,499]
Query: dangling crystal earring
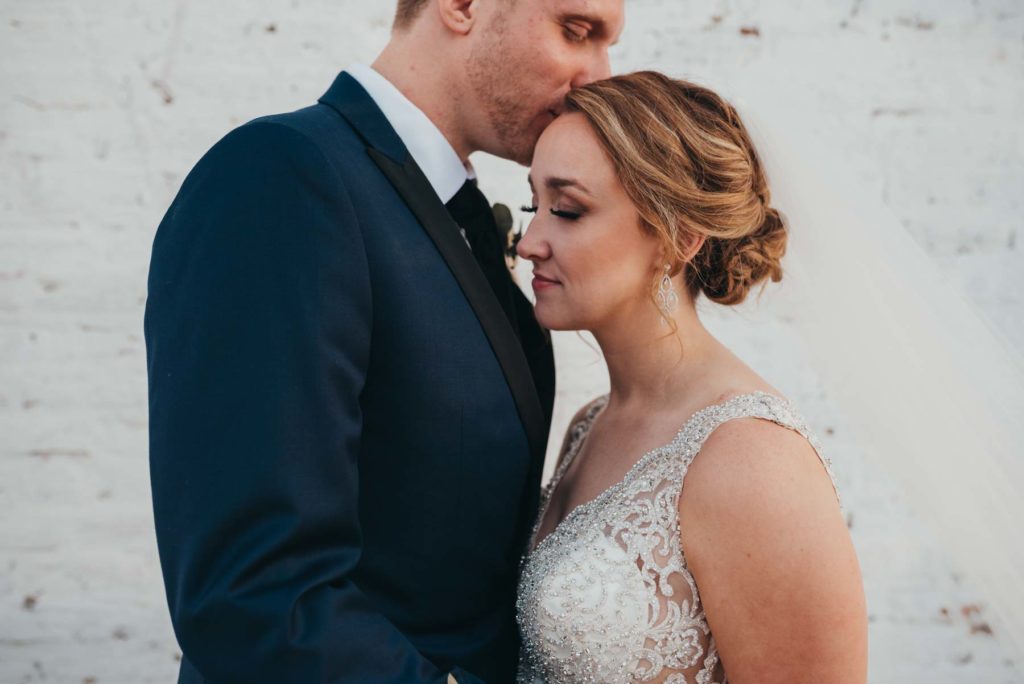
[667,298]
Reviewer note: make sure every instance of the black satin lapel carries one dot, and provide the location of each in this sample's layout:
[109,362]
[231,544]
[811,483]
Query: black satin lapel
[420,197]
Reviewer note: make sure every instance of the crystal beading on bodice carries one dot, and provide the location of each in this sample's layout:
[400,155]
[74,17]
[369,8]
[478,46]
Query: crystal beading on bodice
[607,596]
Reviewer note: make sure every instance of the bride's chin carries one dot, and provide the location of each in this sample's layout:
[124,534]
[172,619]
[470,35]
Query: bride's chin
[551,320]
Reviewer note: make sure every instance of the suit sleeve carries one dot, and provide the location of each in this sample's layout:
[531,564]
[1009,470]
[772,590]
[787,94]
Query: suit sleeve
[258,327]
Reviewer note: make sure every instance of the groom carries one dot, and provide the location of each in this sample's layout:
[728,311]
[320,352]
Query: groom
[349,397]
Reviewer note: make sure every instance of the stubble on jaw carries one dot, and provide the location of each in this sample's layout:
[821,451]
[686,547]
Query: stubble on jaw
[502,89]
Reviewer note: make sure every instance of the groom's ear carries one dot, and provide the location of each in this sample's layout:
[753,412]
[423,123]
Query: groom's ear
[458,15]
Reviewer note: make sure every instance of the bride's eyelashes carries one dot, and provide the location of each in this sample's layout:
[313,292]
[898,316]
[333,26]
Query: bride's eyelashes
[560,213]
[568,215]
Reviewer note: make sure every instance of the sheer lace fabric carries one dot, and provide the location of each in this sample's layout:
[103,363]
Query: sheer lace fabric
[607,596]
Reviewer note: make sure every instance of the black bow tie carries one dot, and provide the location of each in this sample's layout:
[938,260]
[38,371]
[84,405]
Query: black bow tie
[473,213]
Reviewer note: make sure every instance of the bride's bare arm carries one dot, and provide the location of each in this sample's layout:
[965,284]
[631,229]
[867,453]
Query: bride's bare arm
[772,557]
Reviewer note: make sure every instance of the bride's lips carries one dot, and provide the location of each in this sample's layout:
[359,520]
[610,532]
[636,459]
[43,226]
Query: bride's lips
[541,282]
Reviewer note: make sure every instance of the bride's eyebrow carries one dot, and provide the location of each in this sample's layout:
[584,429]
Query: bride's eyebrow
[555,183]
[559,183]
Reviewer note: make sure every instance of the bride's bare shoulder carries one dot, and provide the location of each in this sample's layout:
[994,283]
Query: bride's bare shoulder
[759,463]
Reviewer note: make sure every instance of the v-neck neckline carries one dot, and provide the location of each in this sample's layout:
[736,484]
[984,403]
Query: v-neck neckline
[577,510]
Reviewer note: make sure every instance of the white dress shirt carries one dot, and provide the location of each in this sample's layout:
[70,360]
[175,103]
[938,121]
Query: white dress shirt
[429,148]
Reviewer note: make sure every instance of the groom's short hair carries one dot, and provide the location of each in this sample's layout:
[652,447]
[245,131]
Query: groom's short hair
[407,12]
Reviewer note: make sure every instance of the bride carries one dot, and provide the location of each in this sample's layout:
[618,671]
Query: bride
[691,532]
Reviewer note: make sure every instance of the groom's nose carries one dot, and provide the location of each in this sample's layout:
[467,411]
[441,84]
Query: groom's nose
[597,68]
[604,66]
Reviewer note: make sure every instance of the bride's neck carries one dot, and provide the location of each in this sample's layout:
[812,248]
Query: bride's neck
[648,362]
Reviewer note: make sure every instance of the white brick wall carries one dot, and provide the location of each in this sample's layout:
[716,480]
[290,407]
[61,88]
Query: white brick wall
[104,106]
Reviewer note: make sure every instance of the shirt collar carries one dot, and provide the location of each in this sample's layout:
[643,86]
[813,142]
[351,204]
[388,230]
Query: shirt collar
[429,148]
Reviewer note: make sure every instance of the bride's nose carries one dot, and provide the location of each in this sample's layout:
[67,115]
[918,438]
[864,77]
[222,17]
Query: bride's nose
[532,245]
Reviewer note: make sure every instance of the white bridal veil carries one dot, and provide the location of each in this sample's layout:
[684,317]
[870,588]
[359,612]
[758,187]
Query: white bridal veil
[908,358]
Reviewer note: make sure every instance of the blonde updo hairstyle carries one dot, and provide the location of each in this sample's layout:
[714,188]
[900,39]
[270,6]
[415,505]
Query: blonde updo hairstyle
[688,164]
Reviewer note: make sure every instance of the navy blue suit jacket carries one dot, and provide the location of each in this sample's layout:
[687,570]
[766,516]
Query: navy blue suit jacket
[346,433]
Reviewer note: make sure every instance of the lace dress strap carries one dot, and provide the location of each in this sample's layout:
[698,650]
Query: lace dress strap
[753,405]
[577,433]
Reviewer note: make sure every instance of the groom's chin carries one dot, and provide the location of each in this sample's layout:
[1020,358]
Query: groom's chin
[521,149]
[523,156]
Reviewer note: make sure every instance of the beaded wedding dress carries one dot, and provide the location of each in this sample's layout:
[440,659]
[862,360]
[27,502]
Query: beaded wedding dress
[607,596]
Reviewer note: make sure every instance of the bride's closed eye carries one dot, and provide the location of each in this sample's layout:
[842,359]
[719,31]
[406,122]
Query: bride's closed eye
[560,213]
[568,215]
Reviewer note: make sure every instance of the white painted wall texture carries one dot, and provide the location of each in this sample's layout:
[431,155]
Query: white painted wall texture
[105,106]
